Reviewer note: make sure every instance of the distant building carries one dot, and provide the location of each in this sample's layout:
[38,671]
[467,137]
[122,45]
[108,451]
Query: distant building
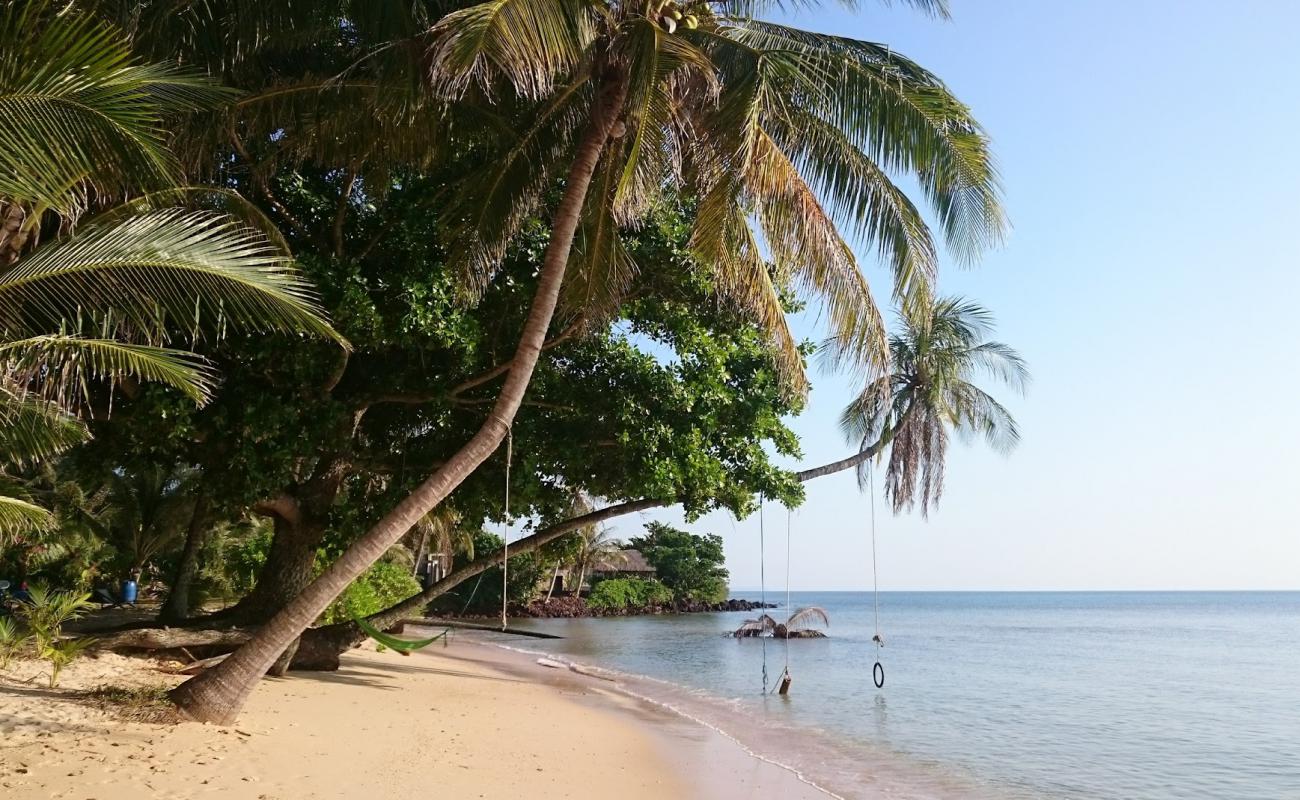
[627,563]
[622,564]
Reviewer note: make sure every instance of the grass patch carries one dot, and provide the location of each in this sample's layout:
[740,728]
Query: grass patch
[135,703]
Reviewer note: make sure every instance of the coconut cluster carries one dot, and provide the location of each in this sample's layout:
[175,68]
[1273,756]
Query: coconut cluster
[671,15]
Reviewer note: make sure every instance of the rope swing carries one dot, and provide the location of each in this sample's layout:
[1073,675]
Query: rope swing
[877,671]
[505,531]
[783,683]
[762,581]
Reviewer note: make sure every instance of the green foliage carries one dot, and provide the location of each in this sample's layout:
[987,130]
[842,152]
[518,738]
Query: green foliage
[12,641]
[62,652]
[628,593]
[385,583]
[483,594]
[87,125]
[44,616]
[690,565]
[242,559]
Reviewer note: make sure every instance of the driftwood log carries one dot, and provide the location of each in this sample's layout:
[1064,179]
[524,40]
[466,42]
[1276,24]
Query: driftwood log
[155,639]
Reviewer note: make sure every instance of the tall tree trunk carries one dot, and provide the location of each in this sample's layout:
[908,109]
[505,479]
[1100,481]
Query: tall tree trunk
[177,606]
[554,575]
[289,566]
[218,694]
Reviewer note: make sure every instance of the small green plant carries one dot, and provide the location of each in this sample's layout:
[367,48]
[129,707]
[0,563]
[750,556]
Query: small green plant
[45,614]
[12,641]
[63,652]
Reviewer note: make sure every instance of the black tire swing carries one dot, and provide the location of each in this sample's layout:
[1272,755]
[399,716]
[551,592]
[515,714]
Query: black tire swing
[878,670]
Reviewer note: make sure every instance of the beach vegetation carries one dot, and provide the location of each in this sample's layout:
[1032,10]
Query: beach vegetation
[13,641]
[44,613]
[623,594]
[689,564]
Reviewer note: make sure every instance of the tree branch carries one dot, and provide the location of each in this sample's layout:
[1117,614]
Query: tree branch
[284,505]
[265,188]
[500,369]
[341,213]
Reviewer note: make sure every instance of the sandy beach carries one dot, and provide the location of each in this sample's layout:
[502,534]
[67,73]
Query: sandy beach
[465,721]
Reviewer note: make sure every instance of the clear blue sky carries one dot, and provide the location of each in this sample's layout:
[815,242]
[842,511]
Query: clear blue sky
[1150,161]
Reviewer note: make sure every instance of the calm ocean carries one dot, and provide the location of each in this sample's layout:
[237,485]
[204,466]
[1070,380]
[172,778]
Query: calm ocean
[998,695]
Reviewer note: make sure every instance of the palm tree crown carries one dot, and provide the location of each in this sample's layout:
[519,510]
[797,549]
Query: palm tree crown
[935,359]
[783,139]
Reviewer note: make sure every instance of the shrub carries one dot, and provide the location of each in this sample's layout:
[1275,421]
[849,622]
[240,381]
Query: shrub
[379,587]
[617,594]
[12,641]
[689,564]
[45,614]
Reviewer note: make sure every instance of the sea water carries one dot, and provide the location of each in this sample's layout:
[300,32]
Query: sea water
[997,695]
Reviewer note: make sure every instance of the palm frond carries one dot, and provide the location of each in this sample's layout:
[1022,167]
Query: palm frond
[77,111]
[660,62]
[601,269]
[19,516]
[802,618]
[33,428]
[60,368]
[495,201]
[723,240]
[199,270]
[526,43]
[902,117]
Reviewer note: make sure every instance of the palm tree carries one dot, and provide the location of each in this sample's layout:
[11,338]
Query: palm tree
[97,273]
[769,127]
[596,544]
[935,360]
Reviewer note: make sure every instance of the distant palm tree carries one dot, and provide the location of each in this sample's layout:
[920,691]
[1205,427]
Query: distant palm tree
[596,545]
[936,358]
[92,285]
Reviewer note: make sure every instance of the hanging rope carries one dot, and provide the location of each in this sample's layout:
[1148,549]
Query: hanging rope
[783,684]
[877,671]
[505,532]
[762,582]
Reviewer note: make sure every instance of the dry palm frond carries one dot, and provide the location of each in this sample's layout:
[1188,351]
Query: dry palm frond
[802,618]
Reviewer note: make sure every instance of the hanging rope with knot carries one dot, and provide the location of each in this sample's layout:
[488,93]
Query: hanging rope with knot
[505,531]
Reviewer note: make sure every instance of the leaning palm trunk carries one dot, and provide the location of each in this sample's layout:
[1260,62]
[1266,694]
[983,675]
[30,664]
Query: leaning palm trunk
[218,694]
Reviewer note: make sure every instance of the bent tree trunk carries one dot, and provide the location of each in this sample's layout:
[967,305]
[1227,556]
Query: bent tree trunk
[218,694]
[177,606]
[321,647]
[287,571]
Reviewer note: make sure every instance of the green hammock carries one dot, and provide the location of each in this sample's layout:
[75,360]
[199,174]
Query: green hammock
[401,646]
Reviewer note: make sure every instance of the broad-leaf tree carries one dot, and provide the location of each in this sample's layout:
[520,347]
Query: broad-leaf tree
[785,137]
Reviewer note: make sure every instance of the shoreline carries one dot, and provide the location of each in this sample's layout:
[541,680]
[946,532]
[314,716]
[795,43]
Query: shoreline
[470,720]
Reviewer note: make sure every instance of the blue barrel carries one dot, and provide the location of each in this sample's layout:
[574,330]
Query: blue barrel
[129,592]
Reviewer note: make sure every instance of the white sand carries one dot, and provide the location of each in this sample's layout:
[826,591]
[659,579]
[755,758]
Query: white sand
[442,724]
